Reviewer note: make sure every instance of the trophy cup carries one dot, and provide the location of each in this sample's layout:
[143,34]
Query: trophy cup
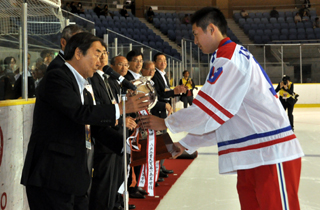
[164,145]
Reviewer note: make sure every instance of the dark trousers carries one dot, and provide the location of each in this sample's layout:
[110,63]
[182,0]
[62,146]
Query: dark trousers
[289,108]
[186,100]
[107,178]
[40,198]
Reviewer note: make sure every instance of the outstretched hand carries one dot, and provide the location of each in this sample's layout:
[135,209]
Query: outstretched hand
[152,122]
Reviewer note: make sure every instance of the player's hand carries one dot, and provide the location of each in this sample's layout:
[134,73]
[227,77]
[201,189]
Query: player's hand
[152,122]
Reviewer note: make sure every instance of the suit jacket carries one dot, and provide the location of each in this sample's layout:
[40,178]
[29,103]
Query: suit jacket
[57,156]
[109,132]
[160,87]
[57,62]
[129,76]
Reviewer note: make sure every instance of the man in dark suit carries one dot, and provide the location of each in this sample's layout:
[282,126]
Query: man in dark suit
[67,33]
[135,59]
[162,86]
[56,172]
[108,166]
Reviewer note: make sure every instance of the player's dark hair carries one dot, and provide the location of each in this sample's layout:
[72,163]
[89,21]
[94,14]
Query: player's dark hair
[203,17]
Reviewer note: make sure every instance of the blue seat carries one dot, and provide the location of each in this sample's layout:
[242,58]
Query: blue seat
[281,15]
[288,14]
[264,20]
[284,25]
[284,31]
[251,33]
[269,26]
[317,30]
[266,15]
[152,44]
[281,20]
[302,37]
[267,32]
[254,26]
[116,18]
[123,31]
[293,31]
[256,20]
[252,15]
[130,31]
[289,19]
[246,28]
[311,36]
[301,31]
[300,25]
[236,17]
[151,37]
[242,21]
[274,37]
[283,37]
[307,24]
[259,32]
[275,31]
[293,37]
[292,25]
[261,26]
[143,31]
[309,31]
[136,31]
[276,26]
[265,39]
[259,15]
[249,20]
[258,39]
[273,20]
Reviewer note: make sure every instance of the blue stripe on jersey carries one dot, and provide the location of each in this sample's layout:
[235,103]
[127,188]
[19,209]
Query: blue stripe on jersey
[254,136]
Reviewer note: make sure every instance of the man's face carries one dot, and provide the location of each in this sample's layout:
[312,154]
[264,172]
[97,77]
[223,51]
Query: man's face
[186,74]
[149,70]
[90,62]
[103,58]
[161,62]
[135,64]
[204,40]
[121,65]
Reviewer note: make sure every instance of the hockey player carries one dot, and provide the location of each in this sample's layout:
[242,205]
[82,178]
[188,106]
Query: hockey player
[237,109]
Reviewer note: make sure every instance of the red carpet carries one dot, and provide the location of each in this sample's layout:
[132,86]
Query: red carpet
[150,203]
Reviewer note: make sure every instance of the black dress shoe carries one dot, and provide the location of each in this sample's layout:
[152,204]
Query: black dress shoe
[131,206]
[167,171]
[156,184]
[136,195]
[163,175]
[142,191]
[160,179]
[118,208]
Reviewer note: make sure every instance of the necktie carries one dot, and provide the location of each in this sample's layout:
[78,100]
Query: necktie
[87,98]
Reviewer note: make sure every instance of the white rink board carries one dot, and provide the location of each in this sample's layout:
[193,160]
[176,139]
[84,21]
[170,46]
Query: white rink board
[15,124]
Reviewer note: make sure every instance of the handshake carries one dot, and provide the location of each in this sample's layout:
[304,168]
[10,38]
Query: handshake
[180,89]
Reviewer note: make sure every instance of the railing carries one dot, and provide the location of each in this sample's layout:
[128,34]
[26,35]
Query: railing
[299,61]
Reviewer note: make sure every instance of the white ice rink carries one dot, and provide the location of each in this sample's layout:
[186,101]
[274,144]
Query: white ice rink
[201,187]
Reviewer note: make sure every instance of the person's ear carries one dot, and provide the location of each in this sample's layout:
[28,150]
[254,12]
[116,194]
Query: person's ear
[77,53]
[63,43]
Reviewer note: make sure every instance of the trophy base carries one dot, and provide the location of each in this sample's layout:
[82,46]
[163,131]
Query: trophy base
[164,149]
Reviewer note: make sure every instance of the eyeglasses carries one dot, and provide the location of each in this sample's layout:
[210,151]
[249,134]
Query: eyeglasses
[105,53]
[137,61]
[123,65]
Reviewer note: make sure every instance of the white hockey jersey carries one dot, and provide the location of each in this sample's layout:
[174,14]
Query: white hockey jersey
[237,109]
